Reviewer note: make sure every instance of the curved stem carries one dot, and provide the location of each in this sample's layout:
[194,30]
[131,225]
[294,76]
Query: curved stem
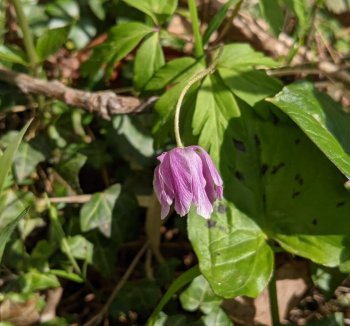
[193,80]
[198,43]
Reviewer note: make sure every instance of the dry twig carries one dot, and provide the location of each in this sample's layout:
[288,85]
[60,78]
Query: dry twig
[104,103]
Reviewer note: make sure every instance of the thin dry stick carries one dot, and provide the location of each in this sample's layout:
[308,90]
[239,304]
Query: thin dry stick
[97,318]
[104,103]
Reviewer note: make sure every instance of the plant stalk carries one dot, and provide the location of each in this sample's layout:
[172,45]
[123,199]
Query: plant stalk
[274,302]
[27,36]
[198,43]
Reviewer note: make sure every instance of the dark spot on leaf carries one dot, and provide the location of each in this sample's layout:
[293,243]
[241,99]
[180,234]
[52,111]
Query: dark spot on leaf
[295,194]
[257,140]
[222,208]
[314,221]
[264,169]
[277,167]
[217,253]
[275,120]
[341,203]
[297,141]
[239,145]
[239,176]
[298,178]
[211,224]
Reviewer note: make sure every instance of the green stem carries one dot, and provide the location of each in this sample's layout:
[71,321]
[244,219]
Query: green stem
[193,80]
[27,35]
[274,302]
[198,43]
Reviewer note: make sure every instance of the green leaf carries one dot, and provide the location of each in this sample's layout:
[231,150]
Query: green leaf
[26,160]
[13,55]
[50,42]
[122,39]
[7,230]
[273,14]
[35,281]
[217,20]
[148,60]
[97,213]
[277,176]
[217,317]
[80,248]
[199,295]
[236,67]
[96,7]
[69,166]
[302,11]
[215,106]
[232,252]
[327,279]
[334,320]
[322,119]
[179,283]
[241,56]
[158,10]
[172,72]
[7,158]
[67,275]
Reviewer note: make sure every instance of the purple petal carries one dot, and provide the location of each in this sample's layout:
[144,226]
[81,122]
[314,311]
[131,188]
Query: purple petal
[200,198]
[164,193]
[174,167]
[214,187]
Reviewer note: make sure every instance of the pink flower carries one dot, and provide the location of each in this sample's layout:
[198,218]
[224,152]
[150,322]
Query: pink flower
[187,176]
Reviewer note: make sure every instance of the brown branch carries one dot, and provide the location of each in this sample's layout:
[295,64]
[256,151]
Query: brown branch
[104,103]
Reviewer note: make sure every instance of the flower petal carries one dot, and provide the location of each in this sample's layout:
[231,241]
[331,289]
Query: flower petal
[214,187]
[200,198]
[164,193]
[176,162]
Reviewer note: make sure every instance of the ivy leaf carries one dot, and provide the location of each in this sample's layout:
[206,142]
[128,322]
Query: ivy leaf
[322,119]
[158,10]
[35,280]
[80,248]
[217,317]
[148,60]
[51,41]
[232,251]
[199,295]
[97,213]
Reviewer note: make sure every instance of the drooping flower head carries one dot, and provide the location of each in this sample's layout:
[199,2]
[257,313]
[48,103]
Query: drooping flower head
[186,176]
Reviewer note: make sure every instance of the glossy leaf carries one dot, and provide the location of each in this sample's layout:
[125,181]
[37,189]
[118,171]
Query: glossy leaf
[26,160]
[148,60]
[232,251]
[277,176]
[80,248]
[51,41]
[200,296]
[158,10]
[322,119]
[97,213]
[217,317]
